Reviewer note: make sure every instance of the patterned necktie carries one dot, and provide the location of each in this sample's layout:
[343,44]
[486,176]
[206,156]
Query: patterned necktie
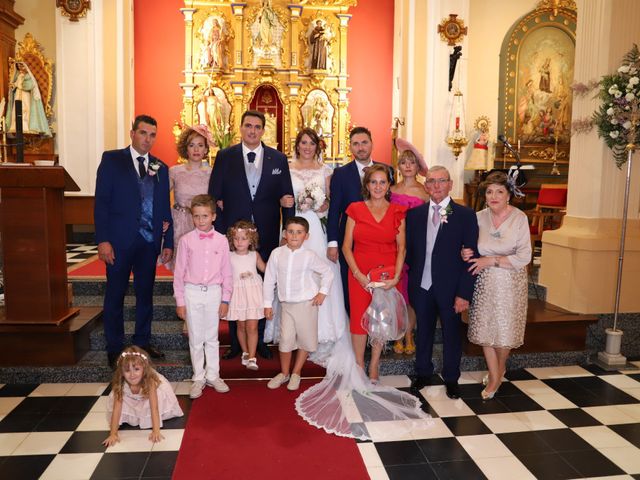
[436,215]
[251,156]
[206,235]
[141,168]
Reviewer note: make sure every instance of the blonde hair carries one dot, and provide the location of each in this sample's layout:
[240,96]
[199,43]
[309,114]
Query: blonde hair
[134,356]
[247,227]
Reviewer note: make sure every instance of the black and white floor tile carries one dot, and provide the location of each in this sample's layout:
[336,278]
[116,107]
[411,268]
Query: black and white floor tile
[547,423]
[79,252]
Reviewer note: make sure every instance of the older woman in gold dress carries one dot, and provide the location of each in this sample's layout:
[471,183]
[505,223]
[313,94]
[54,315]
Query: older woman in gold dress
[498,311]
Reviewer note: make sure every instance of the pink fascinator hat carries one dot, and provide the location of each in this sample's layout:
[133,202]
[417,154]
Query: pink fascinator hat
[403,145]
[204,131]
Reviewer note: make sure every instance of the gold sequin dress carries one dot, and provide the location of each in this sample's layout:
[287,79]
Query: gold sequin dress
[498,311]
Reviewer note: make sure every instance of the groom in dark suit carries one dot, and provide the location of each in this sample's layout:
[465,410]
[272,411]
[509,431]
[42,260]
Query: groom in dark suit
[251,181]
[440,284]
[131,205]
[346,188]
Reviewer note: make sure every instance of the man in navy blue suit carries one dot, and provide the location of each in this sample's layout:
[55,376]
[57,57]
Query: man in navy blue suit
[346,188]
[439,281]
[251,181]
[131,205]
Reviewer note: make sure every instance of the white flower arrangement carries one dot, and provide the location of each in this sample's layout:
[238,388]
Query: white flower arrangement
[618,115]
[311,198]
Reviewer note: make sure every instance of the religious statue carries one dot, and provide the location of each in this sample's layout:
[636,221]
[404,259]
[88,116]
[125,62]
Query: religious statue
[212,53]
[270,137]
[267,22]
[267,31]
[453,60]
[214,110]
[23,86]
[318,41]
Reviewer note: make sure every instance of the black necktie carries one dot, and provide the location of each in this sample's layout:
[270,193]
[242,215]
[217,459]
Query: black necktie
[141,169]
[251,156]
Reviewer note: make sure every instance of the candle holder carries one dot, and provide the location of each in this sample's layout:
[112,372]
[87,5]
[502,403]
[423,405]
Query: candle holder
[554,168]
[456,137]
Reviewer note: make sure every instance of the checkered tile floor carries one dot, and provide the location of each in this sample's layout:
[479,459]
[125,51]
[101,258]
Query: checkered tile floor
[560,423]
[79,252]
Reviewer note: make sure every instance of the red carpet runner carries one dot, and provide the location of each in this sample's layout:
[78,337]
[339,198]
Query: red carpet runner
[94,268]
[255,433]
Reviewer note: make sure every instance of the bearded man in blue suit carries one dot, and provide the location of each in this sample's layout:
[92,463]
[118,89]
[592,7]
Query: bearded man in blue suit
[440,284]
[251,181]
[346,188]
[131,208]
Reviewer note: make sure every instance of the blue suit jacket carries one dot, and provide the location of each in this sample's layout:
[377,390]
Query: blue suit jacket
[449,272]
[228,183]
[345,188]
[117,201]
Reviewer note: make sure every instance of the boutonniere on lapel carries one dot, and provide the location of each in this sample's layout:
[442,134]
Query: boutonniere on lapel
[445,212]
[154,166]
[276,171]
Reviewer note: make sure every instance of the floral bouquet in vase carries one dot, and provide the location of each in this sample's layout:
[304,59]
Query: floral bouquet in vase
[618,116]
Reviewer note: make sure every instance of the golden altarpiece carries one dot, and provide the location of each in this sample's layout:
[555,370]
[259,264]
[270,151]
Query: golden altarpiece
[285,59]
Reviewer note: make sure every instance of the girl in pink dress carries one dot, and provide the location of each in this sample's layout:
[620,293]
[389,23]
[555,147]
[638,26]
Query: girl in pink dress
[408,192]
[139,396]
[189,179]
[246,305]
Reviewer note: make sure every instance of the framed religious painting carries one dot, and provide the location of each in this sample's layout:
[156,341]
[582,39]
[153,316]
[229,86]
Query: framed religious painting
[536,73]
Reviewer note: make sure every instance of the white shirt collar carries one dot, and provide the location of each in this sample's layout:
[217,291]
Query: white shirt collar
[257,151]
[443,204]
[135,155]
[362,167]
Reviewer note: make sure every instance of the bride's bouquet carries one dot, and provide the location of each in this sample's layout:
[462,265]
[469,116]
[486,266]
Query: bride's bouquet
[312,198]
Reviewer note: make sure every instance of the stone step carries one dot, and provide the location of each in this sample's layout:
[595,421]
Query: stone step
[164,307]
[167,335]
[163,286]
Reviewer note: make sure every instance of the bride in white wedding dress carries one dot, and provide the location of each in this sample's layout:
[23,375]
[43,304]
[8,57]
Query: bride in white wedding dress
[345,399]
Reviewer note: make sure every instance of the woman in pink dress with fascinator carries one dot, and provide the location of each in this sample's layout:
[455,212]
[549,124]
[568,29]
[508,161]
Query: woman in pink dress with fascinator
[409,192]
[189,179]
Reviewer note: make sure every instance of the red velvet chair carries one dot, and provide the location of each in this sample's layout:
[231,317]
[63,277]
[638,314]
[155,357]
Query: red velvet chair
[549,210]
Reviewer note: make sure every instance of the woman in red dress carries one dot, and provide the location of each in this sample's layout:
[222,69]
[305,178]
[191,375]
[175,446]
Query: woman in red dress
[374,237]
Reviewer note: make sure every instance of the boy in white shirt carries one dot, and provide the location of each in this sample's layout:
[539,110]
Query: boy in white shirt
[291,269]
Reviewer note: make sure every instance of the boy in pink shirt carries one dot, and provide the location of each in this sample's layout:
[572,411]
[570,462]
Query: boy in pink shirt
[202,284]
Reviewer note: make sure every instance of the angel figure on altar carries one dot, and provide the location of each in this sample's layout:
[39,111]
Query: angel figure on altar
[24,87]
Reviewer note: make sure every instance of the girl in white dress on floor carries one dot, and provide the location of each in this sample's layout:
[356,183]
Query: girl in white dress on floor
[246,306]
[139,396]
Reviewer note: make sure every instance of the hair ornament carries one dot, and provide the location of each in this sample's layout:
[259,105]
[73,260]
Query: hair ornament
[512,176]
[136,354]
[250,230]
[203,131]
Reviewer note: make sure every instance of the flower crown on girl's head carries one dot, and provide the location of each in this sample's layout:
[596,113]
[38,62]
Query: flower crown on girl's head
[138,354]
[243,226]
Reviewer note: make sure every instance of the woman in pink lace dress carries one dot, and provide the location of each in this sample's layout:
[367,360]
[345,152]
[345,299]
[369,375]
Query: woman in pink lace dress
[410,193]
[189,179]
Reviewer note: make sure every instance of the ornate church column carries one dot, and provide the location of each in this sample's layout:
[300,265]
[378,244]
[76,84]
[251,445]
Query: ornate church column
[94,87]
[579,261]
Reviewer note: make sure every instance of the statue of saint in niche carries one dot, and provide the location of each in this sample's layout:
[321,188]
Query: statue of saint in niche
[319,46]
[267,31]
[212,51]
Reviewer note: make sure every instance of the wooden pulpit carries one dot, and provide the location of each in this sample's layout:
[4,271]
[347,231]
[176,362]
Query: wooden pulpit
[34,244]
[37,324]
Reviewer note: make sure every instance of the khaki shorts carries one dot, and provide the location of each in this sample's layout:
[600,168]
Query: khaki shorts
[298,327]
